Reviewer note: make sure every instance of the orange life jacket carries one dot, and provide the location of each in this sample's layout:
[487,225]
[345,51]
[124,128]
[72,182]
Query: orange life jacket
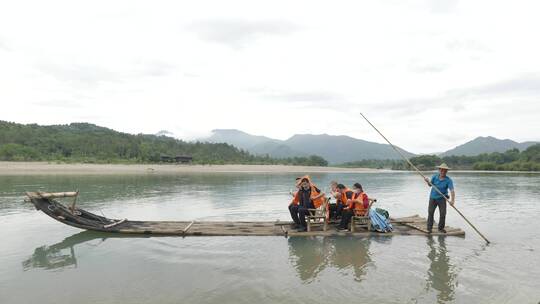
[343,199]
[360,203]
[319,201]
[316,202]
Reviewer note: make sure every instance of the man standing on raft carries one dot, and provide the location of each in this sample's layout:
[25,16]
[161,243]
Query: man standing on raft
[443,183]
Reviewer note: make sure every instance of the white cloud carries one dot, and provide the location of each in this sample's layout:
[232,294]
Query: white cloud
[431,74]
[239,33]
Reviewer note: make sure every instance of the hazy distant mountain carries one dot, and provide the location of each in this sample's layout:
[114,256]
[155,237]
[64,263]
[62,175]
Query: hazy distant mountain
[260,145]
[341,149]
[335,149]
[276,149]
[487,145]
[237,138]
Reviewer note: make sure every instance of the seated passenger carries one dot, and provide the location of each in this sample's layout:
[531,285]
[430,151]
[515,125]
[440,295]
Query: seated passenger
[345,194]
[334,192]
[356,205]
[296,185]
[332,207]
[307,197]
[360,200]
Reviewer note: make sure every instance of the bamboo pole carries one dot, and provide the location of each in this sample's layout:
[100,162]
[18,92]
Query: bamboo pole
[420,173]
[52,195]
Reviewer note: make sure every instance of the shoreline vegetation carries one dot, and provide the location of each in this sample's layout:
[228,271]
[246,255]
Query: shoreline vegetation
[84,143]
[512,160]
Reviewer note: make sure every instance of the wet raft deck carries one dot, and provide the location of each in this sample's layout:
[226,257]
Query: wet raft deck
[413,225]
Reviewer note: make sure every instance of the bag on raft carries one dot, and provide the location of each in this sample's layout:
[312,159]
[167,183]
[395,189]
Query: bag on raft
[383,212]
[378,222]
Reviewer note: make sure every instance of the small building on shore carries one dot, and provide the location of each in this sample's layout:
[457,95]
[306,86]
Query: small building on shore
[182,159]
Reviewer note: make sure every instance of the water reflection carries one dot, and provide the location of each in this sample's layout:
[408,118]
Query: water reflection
[308,256]
[62,255]
[441,273]
[350,252]
[311,255]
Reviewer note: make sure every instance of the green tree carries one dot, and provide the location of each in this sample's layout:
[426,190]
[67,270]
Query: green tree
[17,152]
[426,162]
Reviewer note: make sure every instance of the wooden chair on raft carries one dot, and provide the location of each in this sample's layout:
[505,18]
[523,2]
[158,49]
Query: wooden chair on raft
[362,220]
[318,216]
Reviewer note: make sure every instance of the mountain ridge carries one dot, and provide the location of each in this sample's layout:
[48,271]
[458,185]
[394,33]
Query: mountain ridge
[487,144]
[350,149]
[324,145]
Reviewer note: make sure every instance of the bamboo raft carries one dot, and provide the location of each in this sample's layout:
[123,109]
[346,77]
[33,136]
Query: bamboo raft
[79,218]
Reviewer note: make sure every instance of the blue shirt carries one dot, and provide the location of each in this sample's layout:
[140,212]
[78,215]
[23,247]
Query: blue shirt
[443,186]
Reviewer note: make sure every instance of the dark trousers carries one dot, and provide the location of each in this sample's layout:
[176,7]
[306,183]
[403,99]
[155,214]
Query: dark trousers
[332,208]
[298,214]
[346,218]
[433,204]
[339,209]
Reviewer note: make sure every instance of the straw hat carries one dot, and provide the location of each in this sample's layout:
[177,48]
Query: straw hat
[443,166]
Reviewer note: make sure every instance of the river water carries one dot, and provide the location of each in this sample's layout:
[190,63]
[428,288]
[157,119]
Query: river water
[43,261]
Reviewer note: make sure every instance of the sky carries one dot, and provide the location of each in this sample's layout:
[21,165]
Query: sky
[429,74]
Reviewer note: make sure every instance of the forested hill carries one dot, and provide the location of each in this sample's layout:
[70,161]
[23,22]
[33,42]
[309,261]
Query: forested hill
[84,142]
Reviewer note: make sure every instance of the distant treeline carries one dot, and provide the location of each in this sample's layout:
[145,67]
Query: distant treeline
[511,160]
[88,143]
[375,164]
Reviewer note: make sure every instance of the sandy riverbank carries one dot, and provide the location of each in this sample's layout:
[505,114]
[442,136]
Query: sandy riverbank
[45,168]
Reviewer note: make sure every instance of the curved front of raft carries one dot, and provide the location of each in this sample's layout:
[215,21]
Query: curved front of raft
[79,218]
